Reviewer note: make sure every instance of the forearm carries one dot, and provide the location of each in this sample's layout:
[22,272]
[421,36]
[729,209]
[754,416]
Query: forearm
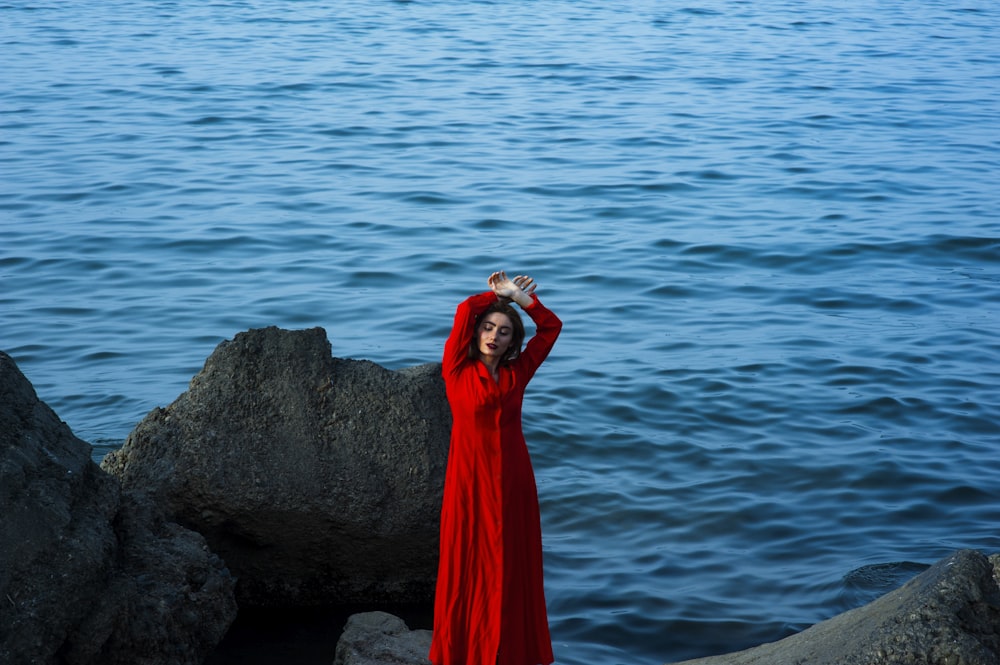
[523,299]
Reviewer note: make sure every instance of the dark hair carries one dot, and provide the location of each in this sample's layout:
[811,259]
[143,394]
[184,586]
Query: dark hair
[517,334]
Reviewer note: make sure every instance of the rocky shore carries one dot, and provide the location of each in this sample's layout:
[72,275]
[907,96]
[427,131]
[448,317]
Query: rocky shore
[287,478]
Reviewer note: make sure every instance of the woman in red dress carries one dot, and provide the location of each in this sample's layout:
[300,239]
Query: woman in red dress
[489,606]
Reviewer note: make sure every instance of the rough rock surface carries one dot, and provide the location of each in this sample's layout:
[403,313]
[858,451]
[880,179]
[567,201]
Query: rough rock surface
[318,480]
[88,574]
[377,638]
[947,615]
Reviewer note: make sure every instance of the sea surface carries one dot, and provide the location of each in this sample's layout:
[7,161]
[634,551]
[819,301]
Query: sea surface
[772,230]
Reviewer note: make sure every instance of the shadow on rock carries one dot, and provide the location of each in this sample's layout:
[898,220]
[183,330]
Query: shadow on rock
[88,574]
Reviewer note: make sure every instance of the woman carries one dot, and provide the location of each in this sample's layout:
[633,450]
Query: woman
[489,606]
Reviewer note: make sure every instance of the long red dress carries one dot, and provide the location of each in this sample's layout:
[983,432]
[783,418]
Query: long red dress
[490,599]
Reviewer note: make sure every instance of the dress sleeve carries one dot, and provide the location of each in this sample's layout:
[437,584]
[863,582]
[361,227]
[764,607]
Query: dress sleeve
[547,328]
[456,347]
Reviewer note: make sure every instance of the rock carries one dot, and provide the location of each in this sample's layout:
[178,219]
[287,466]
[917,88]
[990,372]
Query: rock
[947,615]
[174,601]
[377,638]
[89,575]
[317,479]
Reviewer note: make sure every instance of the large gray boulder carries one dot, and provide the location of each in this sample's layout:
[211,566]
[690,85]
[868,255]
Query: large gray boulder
[318,480]
[947,615]
[89,575]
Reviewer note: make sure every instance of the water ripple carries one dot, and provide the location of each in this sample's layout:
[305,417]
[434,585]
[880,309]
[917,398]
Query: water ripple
[776,256]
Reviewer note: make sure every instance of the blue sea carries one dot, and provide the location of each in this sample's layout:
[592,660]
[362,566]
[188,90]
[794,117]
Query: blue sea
[772,231]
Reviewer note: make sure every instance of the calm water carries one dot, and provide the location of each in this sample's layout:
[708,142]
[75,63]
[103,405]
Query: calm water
[771,229]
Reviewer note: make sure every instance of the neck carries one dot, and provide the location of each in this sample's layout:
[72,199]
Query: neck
[491,364]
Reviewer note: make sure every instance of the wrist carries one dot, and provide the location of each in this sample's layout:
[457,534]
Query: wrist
[523,299]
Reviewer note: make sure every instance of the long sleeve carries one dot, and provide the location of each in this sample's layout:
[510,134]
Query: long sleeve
[547,329]
[456,346]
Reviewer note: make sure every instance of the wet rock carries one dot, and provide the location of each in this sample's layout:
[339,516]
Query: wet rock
[88,574]
[947,615]
[317,479]
[377,638]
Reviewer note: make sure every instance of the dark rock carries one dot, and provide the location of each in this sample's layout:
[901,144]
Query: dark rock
[88,574]
[947,615]
[173,602]
[377,638]
[318,480]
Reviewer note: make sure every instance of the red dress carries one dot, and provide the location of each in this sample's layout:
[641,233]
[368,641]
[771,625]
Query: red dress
[490,598]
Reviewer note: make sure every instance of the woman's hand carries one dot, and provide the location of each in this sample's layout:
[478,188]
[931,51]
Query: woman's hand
[518,289]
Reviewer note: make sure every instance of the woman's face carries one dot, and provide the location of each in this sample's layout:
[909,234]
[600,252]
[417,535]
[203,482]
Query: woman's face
[494,335]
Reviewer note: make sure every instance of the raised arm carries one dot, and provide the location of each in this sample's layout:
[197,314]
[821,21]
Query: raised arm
[547,329]
[521,290]
[456,348]
[518,289]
